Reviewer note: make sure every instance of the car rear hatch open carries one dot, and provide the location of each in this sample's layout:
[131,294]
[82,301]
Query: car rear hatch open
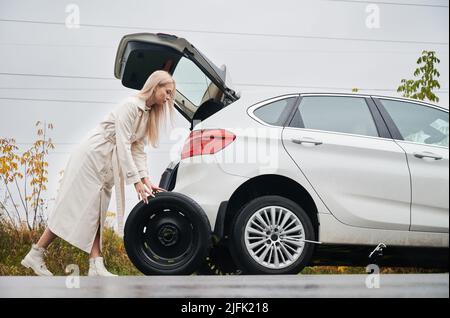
[202,88]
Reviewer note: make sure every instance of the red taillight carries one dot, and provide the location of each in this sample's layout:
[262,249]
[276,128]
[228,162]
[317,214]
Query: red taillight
[206,142]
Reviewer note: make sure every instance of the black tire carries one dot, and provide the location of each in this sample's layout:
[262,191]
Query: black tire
[170,235]
[242,255]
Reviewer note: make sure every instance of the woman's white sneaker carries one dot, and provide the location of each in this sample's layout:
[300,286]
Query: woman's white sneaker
[35,260]
[97,268]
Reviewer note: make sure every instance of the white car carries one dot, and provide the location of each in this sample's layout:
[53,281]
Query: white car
[272,177]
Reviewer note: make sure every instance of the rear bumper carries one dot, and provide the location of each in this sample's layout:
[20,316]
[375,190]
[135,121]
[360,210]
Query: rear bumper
[202,179]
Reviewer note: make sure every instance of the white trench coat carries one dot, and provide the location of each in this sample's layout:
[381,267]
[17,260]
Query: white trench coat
[113,155]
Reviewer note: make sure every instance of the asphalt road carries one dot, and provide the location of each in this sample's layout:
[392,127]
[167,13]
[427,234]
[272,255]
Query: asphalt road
[292,286]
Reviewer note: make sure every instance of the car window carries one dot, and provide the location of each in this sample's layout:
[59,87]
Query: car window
[191,81]
[419,123]
[335,113]
[275,113]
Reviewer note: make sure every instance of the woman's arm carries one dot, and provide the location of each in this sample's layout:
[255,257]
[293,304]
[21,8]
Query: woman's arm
[125,115]
[140,157]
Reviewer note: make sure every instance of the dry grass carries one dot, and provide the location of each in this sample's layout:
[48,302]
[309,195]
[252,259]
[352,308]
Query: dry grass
[362,270]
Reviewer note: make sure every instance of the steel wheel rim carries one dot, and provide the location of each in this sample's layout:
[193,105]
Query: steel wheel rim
[152,254]
[274,237]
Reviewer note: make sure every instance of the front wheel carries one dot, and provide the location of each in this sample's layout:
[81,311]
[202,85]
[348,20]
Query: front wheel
[269,236]
[170,235]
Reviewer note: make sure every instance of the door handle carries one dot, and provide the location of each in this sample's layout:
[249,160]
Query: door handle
[307,140]
[427,154]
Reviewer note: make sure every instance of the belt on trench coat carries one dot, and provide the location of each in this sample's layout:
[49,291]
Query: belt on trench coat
[119,185]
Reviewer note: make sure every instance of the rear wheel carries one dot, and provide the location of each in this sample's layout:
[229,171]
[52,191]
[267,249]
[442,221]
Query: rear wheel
[268,236]
[170,235]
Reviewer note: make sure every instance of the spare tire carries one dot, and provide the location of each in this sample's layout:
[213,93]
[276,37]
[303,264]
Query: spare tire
[170,235]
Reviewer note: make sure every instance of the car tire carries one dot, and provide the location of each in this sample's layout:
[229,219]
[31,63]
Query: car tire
[255,252]
[170,235]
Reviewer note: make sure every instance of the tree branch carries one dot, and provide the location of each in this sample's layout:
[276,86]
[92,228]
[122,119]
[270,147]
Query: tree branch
[25,186]
[9,216]
[41,177]
[21,199]
[12,200]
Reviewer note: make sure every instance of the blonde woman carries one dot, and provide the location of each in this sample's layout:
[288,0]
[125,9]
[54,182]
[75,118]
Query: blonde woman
[113,155]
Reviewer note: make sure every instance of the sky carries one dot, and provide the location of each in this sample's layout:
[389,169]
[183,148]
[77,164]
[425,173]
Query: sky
[58,69]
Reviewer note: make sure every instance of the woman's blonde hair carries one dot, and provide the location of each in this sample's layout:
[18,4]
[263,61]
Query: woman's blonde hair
[157,114]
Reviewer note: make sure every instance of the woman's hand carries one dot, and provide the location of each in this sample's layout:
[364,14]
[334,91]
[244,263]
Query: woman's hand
[153,188]
[143,191]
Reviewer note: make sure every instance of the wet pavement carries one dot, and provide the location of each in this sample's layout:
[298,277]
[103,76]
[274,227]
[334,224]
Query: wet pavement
[290,286]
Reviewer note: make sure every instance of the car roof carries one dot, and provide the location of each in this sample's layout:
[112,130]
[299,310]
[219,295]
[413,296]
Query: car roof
[405,99]
[254,96]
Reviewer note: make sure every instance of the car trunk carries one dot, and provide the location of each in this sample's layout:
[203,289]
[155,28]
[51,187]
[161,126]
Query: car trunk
[202,88]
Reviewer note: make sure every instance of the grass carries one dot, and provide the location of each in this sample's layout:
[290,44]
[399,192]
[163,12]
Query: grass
[314,270]
[15,245]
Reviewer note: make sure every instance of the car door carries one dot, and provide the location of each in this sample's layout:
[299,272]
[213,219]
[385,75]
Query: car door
[342,146]
[422,131]
[202,87]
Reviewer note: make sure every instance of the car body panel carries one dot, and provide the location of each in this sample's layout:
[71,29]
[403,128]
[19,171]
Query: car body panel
[333,231]
[202,179]
[430,188]
[364,181]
